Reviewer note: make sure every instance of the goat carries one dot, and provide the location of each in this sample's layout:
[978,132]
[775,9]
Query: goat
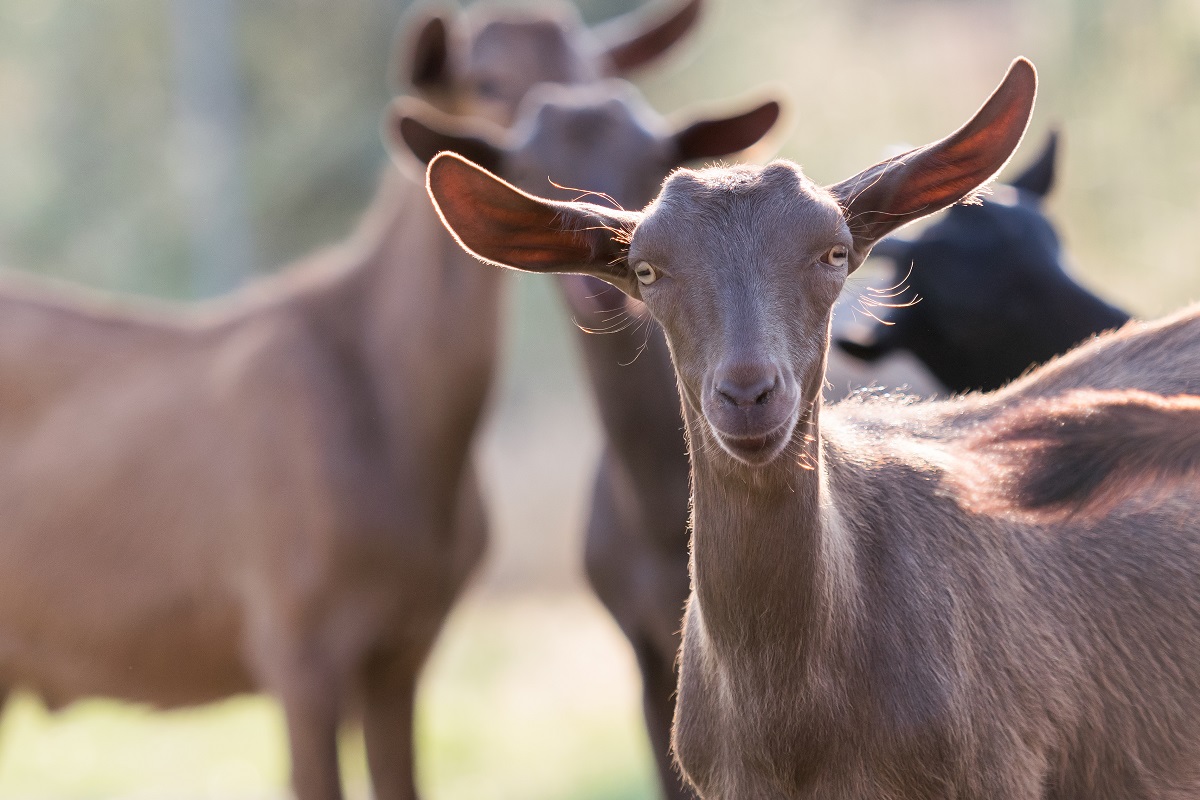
[987,296]
[269,492]
[856,627]
[272,492]
[604,138]
[483,61]
[607,141]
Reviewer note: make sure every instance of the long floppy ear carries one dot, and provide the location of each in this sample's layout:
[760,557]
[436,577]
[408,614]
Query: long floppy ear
[421,50]
[1038,177]
[498,223]
[715,138]
[413,126]
[913,184]
[633,40]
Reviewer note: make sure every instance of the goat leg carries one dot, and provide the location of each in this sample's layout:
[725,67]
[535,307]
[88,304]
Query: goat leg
[310,701]
[390,686]
[658,706]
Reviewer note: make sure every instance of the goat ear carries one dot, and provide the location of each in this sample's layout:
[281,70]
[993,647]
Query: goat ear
[1038,177]
[413,126]
[502,225]
[911,185]
[715,138]
[421,51]
[632,41]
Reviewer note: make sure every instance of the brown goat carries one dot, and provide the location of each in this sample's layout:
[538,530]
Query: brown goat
[604,138]
[483,61]
[270,492]
[856,629]
[636,539]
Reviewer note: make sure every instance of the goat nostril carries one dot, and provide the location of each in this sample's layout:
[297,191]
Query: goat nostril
[764,396]
[743,395]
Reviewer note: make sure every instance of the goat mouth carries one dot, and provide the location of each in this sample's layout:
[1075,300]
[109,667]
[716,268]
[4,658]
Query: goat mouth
[756,451]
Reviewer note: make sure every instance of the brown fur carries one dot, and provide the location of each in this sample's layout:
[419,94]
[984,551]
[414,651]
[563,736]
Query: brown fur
[270,492]
[855,629]
[1088,449]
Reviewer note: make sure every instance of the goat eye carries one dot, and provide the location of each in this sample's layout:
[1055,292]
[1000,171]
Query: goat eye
[646,273]
[837,256]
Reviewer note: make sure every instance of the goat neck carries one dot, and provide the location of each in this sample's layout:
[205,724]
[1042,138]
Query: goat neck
[768,542]
[406,302]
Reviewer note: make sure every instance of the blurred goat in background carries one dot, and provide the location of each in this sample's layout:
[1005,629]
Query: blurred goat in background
[607,139]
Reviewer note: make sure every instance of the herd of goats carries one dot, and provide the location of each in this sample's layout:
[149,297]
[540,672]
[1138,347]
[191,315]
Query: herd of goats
[995,596]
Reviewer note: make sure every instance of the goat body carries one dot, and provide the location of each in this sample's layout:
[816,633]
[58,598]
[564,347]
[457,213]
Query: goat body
[273,492]
[909,644]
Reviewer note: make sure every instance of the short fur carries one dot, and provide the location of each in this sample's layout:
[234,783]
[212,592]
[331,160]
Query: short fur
[1087,450]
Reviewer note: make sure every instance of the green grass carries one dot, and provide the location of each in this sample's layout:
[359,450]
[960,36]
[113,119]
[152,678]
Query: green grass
[529,698]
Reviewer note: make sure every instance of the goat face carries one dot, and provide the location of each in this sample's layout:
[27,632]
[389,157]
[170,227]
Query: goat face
[746,309]
[740,265]
[483,61]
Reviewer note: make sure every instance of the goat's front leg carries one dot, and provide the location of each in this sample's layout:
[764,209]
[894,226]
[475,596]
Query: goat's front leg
[658,705]
[390,689]
[311,704]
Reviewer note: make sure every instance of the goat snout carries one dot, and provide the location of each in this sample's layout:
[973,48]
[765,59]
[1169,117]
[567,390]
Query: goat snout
[749,406]
[748,385]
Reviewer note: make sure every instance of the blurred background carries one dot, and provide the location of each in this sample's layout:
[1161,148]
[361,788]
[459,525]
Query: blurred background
[123,123]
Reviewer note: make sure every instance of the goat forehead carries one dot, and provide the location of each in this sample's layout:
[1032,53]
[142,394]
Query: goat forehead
[590,138]
[543,47]
[988,244]
[589,115]
[584,143]
[746,215]
[1014,221]
[485,20]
